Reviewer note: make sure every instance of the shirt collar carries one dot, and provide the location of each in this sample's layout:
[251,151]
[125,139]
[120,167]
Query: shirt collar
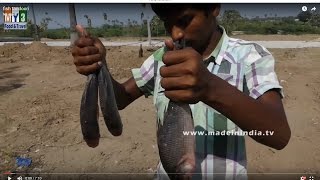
[217,54]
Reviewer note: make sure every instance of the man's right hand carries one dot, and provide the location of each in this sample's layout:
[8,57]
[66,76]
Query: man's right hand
[88,52]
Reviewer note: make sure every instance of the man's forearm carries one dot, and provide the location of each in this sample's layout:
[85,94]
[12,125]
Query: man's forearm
[122,97]
[126,92]
[120,94]
[248,113]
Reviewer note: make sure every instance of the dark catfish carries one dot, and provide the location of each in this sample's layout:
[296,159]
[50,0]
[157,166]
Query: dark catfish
[108,102]
[89,107]
[89,110]
[176,150]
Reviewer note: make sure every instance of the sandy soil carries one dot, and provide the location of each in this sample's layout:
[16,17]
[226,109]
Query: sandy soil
[40,93]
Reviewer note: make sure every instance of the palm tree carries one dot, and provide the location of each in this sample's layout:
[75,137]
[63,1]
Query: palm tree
[88,20]
[141,18]
[44,23]
[105,17]
[155,22]
[148,22]
[73,23]
[37,38]
[129,23]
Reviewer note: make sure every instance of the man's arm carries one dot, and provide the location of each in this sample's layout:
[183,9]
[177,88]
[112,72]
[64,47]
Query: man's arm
[186,79]
[264,114]
[126,92]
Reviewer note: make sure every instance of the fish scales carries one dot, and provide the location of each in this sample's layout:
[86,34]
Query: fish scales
[176,150]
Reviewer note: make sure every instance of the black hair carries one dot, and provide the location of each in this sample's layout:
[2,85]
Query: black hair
[162,9]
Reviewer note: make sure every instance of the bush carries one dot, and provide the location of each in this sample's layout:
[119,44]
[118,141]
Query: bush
[55,34]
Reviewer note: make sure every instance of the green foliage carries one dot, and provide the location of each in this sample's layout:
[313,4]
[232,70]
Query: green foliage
[157,26]
[56,34]
[315,19]
[307,23]
[304,16]
[44,23]
[231,19]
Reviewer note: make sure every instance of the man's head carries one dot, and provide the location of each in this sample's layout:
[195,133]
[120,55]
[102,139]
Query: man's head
[193,22]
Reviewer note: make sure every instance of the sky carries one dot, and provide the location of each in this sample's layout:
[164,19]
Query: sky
[122,12]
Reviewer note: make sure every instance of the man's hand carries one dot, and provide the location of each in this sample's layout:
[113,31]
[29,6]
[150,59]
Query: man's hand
[88,52]
[185,77]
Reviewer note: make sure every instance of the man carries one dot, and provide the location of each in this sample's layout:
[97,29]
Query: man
[229,83]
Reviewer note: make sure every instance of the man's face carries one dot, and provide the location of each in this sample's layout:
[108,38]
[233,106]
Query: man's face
[195,26]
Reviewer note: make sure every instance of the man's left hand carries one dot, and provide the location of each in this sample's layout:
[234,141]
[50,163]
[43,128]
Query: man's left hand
[185,78]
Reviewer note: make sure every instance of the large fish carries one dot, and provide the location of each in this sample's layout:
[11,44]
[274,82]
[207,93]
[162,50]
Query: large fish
[89,110]
[108,102]
[176,150]
[89,107]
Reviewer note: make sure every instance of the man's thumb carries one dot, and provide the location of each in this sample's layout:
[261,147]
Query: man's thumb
[81,31]
[169,44]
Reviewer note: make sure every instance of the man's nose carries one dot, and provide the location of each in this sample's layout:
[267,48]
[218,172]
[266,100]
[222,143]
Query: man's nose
[177,33]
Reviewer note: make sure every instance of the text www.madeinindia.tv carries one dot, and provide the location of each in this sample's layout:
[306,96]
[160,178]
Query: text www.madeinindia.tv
[228,133]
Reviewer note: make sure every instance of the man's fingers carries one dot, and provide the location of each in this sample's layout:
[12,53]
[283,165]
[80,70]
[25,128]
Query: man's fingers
[177,83]
[89,50]
[83,42]
[86,52]
[86,60]
[82,32]
[88,69]
[174,70]
[180,96]
[98,44]
[172,57]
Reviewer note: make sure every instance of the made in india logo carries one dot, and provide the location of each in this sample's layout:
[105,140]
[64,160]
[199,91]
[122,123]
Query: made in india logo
[15,17]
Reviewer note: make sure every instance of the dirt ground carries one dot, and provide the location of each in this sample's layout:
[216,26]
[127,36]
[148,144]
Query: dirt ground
[40,95]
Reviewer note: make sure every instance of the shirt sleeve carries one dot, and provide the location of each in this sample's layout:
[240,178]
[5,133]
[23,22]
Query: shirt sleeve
[260,75]
[144,76]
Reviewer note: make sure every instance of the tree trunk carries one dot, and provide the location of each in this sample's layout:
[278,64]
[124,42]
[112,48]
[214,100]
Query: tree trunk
[149,31]
[36,36]
[73,23]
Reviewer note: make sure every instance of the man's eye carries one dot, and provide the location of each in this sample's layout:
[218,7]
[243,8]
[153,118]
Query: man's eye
[184,21]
